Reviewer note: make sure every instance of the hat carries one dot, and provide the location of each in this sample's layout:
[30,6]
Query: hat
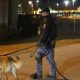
[46,9]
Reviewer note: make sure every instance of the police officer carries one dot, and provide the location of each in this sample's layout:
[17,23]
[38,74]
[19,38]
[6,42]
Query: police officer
[46,44]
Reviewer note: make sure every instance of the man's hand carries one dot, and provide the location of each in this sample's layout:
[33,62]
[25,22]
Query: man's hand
[41,44]
[38,44]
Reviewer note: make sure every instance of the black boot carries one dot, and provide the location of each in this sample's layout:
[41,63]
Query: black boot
[50,77]
[36,77]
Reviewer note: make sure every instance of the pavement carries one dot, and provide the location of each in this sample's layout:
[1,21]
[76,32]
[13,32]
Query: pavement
[67,59]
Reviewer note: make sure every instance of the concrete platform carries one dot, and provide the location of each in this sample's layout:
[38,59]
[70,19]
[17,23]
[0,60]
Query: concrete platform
[67,59]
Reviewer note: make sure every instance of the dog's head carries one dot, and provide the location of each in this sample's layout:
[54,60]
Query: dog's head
[16,61]
[14,58]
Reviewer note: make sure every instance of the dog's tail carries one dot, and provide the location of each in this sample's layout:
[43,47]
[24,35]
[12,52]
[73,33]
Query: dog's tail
[16,61]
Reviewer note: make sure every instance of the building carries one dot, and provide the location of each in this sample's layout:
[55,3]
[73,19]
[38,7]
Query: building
[8,17]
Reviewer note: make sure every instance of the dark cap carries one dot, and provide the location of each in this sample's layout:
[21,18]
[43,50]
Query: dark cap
[46,9]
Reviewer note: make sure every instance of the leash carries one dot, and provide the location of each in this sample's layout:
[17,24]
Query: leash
[18,51]
[33,53]
[53,66]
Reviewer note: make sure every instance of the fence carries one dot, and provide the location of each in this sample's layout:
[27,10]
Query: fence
[65,26]
[68,26]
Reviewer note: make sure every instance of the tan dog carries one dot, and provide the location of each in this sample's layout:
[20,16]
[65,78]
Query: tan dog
[7,64]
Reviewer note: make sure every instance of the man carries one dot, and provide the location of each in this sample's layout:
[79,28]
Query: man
[46,44]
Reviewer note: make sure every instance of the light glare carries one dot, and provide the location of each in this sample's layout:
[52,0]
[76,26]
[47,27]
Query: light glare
[66,3]
[30,2]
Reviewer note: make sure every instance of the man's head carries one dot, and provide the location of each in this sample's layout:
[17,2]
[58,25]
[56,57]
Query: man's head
[45,11]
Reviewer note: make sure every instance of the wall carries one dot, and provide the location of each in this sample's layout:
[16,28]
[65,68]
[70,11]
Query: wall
[8,17]
[1,19]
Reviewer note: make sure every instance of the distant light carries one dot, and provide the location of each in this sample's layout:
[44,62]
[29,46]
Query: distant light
[66,3]
[30,2]
[73,2]
[54,11]
[19,5]
[78,9]
[57,4]
[37,1]
[39,9]
[51,11]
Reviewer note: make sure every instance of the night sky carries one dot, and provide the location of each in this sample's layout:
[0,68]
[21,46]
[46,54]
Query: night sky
[52,3]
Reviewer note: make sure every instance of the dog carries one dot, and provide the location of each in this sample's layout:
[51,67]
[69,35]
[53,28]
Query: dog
[7,64]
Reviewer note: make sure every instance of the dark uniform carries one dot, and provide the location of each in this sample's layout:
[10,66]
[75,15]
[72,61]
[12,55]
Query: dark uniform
[48,31]
[46,44]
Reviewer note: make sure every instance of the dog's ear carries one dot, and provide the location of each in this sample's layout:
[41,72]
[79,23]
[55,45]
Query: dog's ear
[10,59]
[13,58]
[17,57]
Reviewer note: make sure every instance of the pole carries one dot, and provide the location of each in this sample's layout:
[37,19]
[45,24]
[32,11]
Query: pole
[37,1]
[32,8]
[58,13]
[74,18]
[74,24]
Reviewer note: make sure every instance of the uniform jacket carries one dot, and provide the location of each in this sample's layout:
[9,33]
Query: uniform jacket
[48,30]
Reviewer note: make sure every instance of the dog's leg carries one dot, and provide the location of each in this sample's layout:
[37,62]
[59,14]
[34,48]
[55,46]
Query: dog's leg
[14,71]
[0,77]
[4,66]
[4,76]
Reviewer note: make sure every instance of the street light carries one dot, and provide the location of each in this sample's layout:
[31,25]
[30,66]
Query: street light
[66,3]
[19,5]
[37,1]
[73,1]
[31,4]
[57,4]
